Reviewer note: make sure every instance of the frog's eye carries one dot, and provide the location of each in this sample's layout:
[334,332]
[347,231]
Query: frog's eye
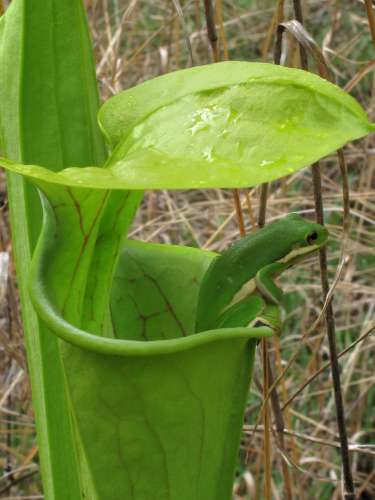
[311,238]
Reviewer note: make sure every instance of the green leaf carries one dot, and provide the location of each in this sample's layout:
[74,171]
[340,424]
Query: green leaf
[231,124]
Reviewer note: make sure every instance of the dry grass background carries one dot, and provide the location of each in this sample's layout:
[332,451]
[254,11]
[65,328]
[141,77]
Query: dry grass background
[136,40]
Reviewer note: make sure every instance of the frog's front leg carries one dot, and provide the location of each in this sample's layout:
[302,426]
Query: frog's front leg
[265,284]
[271,317]
[251,311]
[242,313]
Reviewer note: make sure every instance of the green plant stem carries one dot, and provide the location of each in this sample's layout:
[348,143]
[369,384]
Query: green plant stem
[48,106]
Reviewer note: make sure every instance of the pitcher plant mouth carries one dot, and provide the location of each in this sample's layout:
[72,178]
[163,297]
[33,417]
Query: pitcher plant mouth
[104,345]
[89,341]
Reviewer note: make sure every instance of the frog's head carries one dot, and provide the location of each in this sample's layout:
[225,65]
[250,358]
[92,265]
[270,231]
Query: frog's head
[306,237]
[297,238]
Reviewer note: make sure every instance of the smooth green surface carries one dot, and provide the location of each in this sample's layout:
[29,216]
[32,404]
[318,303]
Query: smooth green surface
[120,115]
[140,269]
[48,106]
[162,427]
[230,124]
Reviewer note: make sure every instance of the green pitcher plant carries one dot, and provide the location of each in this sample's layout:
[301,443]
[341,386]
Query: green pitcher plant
[149,347]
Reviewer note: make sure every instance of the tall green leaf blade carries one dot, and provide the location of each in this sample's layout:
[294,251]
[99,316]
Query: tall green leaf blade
[48,104]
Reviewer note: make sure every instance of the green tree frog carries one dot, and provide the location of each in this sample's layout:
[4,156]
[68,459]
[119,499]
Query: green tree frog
[238,288]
